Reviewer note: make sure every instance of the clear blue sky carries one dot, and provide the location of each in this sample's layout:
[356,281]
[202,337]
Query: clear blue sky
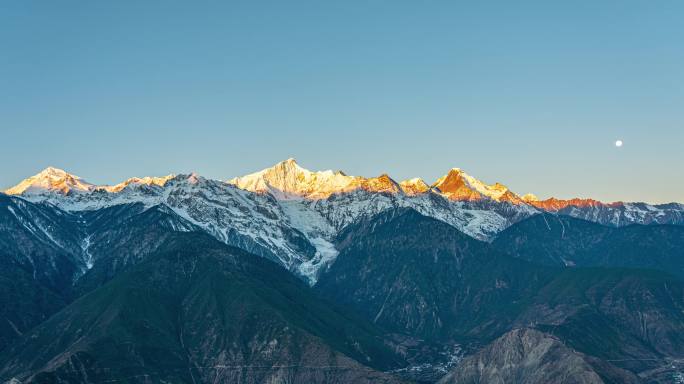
[529,93]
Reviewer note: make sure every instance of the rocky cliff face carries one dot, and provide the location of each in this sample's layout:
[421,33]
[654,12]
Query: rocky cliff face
[528,356]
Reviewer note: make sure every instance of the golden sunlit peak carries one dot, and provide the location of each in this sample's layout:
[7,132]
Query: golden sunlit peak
[414,186]
[288,180]
[459,185]
[51,179]
[56,180]
[53,171]
[147,180]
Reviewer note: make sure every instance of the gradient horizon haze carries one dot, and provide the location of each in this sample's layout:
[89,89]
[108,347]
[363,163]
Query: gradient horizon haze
[532,94]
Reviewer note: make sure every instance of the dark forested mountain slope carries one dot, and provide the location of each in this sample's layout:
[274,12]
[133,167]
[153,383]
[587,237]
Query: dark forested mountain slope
[418,275]
[565,241]
[589,326]
[24,301]
[42,239]
[635,317]
[39,261]
[122,236]
[199,311]
[48,256]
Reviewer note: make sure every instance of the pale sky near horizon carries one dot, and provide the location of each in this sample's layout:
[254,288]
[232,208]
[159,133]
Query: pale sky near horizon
[532,94]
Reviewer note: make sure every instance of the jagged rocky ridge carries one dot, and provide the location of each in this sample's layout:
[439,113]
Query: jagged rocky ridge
[291,215]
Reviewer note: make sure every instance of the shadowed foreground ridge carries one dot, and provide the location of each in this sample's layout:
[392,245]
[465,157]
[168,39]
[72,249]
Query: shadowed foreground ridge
[199,311]
[416,275]
[527,356]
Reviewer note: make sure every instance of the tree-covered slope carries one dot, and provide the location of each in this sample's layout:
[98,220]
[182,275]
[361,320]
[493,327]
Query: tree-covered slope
[417,275]
[565,241]
[634,317]
[199,311]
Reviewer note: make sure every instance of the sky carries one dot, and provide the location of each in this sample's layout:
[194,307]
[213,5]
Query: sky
[532,94]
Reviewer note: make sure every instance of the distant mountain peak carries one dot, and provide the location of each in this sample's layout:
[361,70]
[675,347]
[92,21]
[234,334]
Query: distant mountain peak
[288,180]
[135,181]
[459,185]
[380,184]
[453,185]
[553,204]
[52,171]
[54,180]
[415,186]
[51,179]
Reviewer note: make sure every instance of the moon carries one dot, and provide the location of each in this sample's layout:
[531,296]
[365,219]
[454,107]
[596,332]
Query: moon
[618,143]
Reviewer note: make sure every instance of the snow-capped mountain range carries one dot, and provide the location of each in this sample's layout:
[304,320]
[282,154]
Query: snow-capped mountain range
[293,215]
